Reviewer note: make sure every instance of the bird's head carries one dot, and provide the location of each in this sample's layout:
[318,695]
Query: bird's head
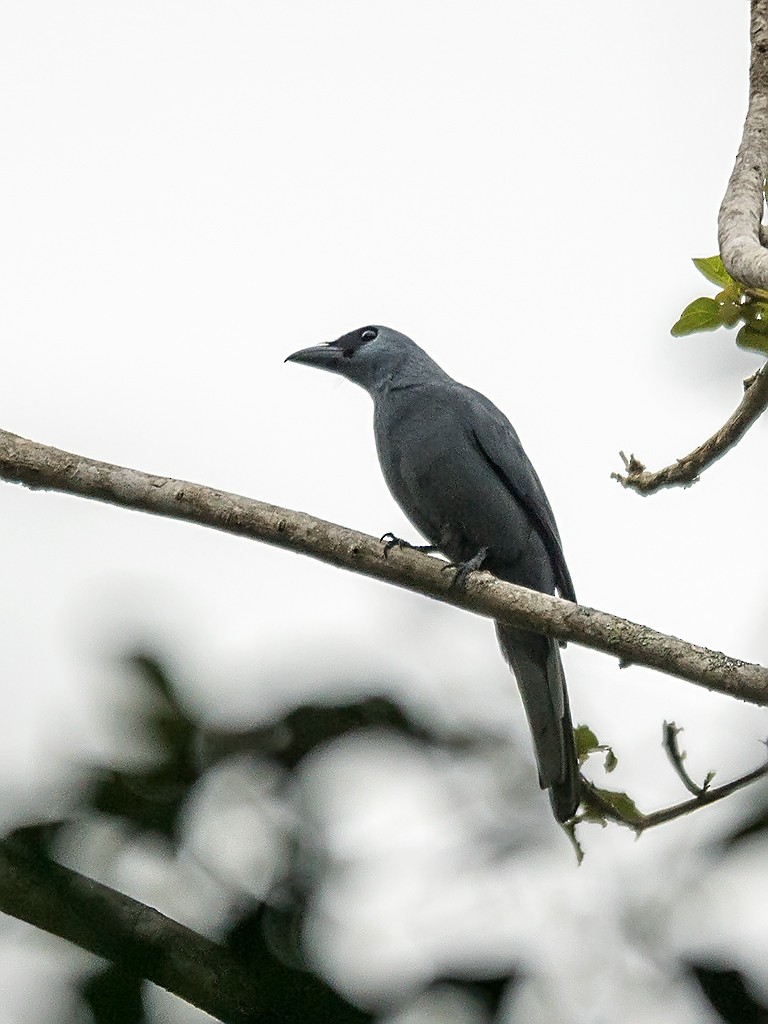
[372,357]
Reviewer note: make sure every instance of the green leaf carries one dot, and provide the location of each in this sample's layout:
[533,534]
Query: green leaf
[712,268]
[700,315]
[730,312]
[623,804]
[586,742]
[756,313]
[592,814]
[751,338]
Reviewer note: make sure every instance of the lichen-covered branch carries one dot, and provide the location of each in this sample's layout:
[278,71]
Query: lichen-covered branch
[42,467]
[741,249]
[687,470]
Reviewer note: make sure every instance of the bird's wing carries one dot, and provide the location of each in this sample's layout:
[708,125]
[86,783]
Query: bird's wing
[498,442]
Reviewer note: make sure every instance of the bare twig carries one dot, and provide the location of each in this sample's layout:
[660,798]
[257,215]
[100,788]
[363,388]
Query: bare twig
[106,922]
[644,821]
[742,253]
[42,467]
[677,758]
[686,470]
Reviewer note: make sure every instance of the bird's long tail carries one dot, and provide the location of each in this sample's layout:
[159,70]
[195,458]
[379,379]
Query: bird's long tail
[535,660]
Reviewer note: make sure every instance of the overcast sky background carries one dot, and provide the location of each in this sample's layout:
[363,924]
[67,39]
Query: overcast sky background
[193,190]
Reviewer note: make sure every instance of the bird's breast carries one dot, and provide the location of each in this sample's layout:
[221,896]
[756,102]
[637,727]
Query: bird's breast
[446,487]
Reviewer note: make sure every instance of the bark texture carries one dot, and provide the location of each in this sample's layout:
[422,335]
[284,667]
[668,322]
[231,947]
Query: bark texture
[42,467]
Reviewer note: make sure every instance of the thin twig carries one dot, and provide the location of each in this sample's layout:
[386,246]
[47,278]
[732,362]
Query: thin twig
[644,821]
[110,924]
[742,253]
[686,470]
[677,757]
[39,466]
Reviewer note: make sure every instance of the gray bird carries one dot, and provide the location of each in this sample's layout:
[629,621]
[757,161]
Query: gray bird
[455,466]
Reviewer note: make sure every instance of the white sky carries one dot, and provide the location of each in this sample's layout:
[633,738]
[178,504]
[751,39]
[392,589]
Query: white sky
[193,190]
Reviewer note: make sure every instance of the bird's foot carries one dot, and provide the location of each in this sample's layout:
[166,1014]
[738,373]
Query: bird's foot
[389,540]
[465,569]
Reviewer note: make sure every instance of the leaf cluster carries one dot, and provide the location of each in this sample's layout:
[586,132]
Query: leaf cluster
[602,804]
[733,304]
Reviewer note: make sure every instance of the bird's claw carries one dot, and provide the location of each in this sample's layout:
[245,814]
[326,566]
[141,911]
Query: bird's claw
[389,540]
[465,569]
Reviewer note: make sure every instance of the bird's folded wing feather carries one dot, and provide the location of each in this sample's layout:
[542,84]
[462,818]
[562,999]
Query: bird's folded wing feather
[497,439]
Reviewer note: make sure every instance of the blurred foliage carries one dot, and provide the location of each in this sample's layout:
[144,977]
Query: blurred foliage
[36,840]
[725,986]
[114,995]
[756,824]
[301,730]
[268,940]
[734,303]
[151,799]
[488,992]
[730,995]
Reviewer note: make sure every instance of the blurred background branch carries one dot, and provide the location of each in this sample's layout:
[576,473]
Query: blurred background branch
[97,918]
[258,967]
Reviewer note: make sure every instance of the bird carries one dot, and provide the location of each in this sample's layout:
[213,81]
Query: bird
[455,465]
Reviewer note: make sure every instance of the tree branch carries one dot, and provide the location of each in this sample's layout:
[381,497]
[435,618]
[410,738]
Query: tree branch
[705,797]
[742,253]
[143,940]
[686,470]
[42,467]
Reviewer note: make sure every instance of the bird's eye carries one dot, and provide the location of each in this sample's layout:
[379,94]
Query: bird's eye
[369,334]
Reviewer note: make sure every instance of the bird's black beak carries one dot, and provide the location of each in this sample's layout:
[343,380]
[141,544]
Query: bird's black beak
[324,357]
